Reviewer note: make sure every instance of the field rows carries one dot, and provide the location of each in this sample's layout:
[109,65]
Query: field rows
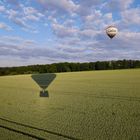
[31,131]
[85,105]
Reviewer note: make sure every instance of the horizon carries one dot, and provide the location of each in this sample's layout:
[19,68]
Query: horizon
[72,62]
[48,31]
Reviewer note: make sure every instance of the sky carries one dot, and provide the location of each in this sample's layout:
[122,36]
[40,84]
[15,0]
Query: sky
[51,31]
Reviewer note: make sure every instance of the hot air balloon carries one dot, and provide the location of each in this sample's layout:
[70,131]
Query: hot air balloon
[111,31]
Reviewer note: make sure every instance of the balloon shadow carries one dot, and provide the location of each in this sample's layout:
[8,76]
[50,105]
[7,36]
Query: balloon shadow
[44,80]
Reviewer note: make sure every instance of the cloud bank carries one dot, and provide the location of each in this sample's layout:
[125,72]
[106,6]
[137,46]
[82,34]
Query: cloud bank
[48,31]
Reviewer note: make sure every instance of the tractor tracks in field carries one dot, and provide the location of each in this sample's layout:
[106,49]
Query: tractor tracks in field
[126,98]
[23,129]
[101,96]
[21,132]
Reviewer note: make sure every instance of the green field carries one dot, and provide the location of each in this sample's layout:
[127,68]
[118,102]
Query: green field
[102,105]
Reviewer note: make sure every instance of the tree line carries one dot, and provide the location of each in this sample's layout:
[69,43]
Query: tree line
[70,67]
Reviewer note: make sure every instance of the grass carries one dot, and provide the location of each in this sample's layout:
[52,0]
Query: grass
[102,105]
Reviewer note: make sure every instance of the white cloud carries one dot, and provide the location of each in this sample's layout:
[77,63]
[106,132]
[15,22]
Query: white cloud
[73,49]
[97,20]
[23,16]
[62,31]
[131,16]
[32,17]
[5,26]
[12,13]
[52,19]
[86,7]
[16,42]
[32,14]
[29,10]
[2,8]
[108,16]
[61,5]
[89,33]
[129,40]
[118,5]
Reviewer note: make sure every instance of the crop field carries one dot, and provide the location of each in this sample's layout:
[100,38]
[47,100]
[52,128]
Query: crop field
[102,105]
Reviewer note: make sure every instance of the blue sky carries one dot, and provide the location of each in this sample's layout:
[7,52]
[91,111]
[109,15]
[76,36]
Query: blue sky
[49,31]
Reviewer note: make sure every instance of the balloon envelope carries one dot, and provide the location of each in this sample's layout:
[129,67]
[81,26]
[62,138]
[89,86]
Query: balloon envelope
[111,31]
